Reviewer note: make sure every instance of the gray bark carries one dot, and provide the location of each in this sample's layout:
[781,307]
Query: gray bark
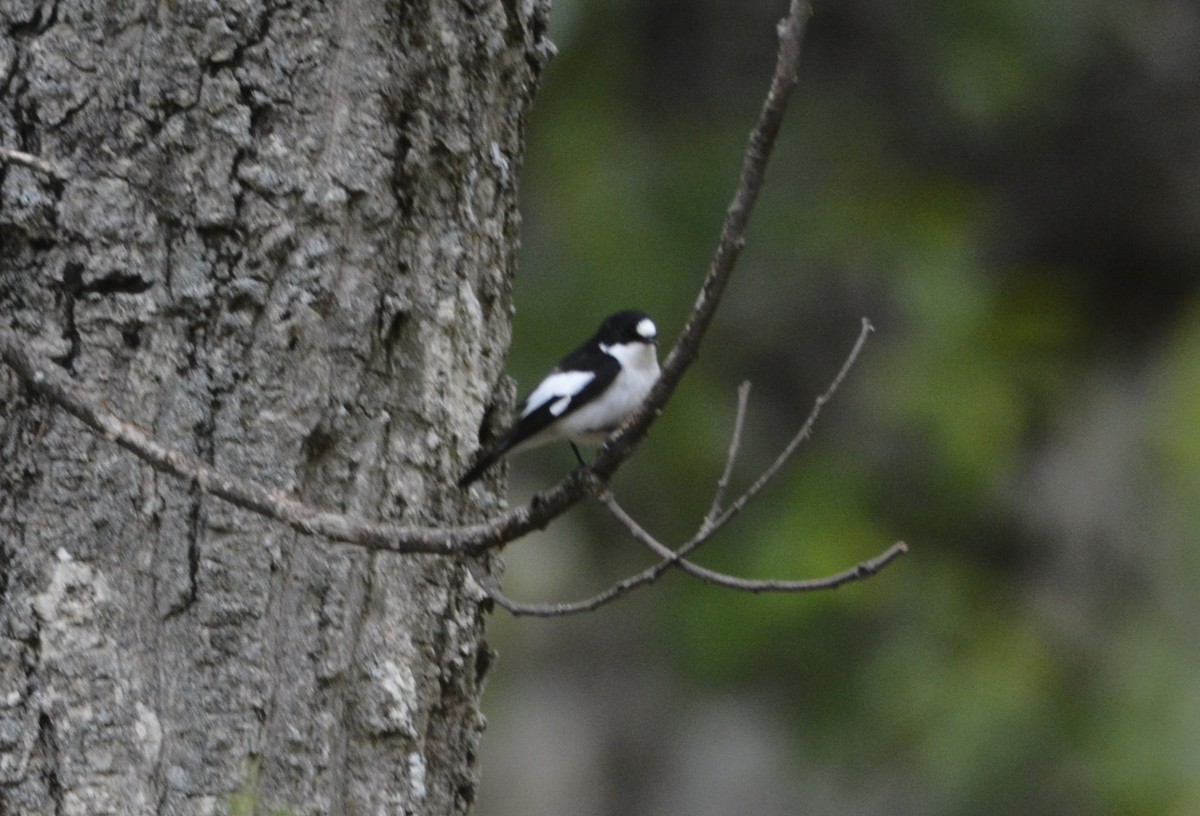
[285,243]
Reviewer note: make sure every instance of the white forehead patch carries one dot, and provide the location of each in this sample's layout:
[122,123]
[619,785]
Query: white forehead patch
[645,328]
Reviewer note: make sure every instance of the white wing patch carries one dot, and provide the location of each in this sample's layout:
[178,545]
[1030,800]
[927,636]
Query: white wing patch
[558,389]
[559,405]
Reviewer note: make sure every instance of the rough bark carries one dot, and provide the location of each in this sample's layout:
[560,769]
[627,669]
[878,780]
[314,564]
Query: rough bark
[284,241]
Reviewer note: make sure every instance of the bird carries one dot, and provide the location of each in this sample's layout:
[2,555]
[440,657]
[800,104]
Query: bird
[588,394]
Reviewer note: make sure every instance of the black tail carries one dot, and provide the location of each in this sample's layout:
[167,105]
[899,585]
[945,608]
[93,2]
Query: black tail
[493,455]
[477,469]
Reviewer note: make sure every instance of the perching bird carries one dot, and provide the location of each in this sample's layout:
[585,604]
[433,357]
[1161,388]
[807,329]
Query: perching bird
[588,394]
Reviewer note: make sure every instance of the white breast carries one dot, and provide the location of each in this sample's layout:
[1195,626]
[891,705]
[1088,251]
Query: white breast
[603,415]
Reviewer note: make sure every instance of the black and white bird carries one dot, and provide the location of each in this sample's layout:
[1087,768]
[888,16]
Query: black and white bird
[588,394]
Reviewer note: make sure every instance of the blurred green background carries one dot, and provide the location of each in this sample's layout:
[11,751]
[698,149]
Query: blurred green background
[1010,191]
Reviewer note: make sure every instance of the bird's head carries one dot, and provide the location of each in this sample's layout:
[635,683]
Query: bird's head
[629,326]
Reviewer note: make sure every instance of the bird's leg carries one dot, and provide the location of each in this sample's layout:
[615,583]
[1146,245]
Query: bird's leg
[578,455]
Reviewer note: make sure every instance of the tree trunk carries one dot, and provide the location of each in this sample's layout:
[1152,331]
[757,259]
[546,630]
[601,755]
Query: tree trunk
[284,241]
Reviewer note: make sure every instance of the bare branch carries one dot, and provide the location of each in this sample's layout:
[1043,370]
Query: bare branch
[676,557]
[48,168]
[50,381]
[729,246]
[804,432]
[735,442]
[670,559]
[713,521]
[554,610]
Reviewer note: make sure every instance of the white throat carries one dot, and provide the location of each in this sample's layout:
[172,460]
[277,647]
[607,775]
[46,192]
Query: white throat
[635,358]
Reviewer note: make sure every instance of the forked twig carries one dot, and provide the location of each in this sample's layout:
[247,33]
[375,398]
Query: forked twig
[712,522]
[804,433]
[735,443]
[670,559]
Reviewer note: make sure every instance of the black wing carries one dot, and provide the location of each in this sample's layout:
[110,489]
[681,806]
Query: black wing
[606,369]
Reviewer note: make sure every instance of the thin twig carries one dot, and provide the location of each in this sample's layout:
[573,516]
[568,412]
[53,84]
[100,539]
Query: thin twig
[675,558]
[856,573]
[735,442]
[48,168]
[555,610]
[804,432]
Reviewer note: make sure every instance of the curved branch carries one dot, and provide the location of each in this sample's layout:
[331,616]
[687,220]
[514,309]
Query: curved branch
[50,381]
[856,573]
[670,559]
[805,431]
[555,610]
